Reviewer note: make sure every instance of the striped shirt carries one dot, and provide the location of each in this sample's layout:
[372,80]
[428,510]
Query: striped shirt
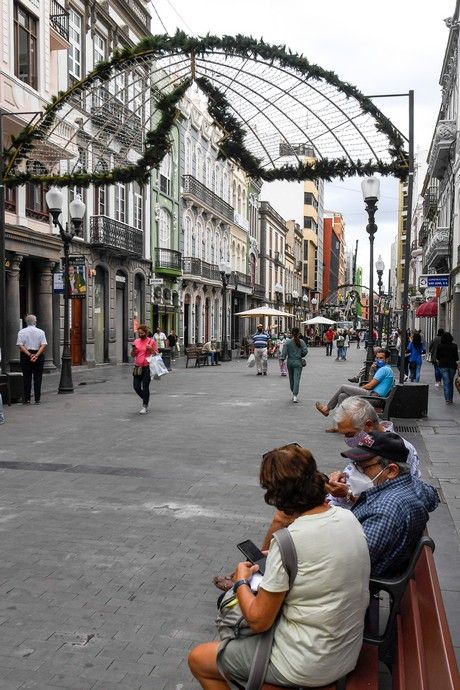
[260,339]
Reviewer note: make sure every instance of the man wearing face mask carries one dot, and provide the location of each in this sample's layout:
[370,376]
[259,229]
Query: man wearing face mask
[355,418]
[380,385]
[393,507]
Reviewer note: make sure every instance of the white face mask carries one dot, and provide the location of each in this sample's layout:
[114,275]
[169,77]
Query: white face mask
[359,482]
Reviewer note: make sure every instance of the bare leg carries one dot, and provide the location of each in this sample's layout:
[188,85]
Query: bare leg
[202,663]
[279,520]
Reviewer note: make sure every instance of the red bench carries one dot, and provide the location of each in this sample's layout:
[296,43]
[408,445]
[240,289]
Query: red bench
[415,645]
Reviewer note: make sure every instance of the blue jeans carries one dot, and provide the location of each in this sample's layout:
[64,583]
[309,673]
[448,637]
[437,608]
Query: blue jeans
[448,376]
[414,368]
[437,373]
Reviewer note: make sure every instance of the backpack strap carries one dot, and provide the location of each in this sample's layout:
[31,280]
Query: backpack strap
[264,645]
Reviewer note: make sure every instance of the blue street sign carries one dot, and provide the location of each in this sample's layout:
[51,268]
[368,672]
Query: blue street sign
[434,280]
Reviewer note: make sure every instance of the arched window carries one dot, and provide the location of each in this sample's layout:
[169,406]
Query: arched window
[199,163]
[234,195]
[217,248]
[209,245]
[218,180]
[225,186]
[164,229]
[233,259]
[243,203]
[165,174]
[239,199]
[208,177]
[199,248]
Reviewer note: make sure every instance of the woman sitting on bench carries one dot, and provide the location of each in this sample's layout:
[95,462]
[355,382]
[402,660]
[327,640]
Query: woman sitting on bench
[318,636]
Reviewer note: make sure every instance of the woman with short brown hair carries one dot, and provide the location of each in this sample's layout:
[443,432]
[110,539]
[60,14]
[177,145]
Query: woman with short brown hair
[319,631]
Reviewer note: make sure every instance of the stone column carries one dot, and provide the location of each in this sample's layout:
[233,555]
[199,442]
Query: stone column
[13,311]
[45,307]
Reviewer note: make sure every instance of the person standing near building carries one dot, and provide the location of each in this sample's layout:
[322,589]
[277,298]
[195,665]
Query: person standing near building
[329,339]
[415,350]
[172,340]
[448,362]
[294,350]
[261,340]
[160,339]
[32,345]
[142,348]
[432,350]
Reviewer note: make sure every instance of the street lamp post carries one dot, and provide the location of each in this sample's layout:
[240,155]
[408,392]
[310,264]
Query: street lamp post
[305,305]
[54,200]
[225,273]
[380,267]
[314,302]
[371,189]
[279,296]
[295,302]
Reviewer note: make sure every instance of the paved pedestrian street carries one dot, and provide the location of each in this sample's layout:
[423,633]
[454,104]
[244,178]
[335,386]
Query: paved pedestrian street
[113,524]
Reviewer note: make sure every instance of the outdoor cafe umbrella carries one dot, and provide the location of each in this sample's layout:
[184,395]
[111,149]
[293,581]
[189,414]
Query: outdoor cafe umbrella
[262,311]
[319,320]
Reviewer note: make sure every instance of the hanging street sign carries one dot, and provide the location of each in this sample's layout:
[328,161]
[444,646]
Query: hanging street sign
[434,280]
[156,281]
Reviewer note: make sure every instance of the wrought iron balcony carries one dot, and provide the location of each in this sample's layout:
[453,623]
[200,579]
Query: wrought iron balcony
[112,115]
[430,201]
[116,237]
[194,188]
[441,149]
[59,19]
[168,261]
[437,250]
[242,279]
[423,234]
[259,290]
[241,221]
[139,12]
[191,266]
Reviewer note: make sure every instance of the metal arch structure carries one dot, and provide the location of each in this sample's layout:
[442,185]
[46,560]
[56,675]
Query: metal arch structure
[280,117]
[345,298]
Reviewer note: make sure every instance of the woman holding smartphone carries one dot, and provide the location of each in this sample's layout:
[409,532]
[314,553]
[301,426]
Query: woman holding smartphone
[319,632]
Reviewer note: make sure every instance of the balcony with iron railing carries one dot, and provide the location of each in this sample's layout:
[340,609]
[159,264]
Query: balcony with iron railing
[437,250]
[193,188]
[442,147]
[116,237]
[168,262]
[259,290]
[192,266]
[423,234]
[59,23]
[241,221]
[137,9]
[110,114]
[242,279]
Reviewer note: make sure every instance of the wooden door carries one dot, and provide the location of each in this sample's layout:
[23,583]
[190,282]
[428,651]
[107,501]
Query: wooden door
[76,332]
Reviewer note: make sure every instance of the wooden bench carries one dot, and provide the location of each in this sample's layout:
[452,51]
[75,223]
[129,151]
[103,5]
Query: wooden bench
[196,353]
[415,644]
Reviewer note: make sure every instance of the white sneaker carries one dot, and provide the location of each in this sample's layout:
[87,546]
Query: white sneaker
[405,378]
[143,410]
[294,398]
[437,384]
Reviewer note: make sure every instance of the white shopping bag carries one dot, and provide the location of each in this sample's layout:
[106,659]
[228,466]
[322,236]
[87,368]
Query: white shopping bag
[251,360]
[157,367]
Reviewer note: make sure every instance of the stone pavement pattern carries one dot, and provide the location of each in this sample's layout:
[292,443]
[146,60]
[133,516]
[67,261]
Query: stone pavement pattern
[113,524]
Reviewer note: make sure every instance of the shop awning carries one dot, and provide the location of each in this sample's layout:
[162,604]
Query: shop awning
[428,309]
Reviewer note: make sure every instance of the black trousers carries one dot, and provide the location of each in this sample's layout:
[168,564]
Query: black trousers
[141,385]
[32,370]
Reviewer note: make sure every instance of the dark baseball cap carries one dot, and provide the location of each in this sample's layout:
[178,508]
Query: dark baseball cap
[384,444]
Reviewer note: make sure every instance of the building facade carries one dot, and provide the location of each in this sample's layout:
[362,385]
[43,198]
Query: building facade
[273,233]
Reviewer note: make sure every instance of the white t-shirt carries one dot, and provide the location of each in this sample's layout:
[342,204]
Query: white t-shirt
[320,631]
[31,337]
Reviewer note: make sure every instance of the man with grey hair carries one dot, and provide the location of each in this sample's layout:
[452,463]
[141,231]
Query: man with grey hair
[32,345]
[392,513]
[355,417]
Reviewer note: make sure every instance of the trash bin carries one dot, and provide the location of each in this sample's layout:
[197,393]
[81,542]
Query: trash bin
[15,386]
[165,353]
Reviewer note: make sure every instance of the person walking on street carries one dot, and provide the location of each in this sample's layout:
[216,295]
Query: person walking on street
[261,340]
[448,363]
[346,344]
[172,340]
[142,348]
[339,343]
[294,350]
[32,345]
[277,352]
[432,350]
[329,338]
[415,350]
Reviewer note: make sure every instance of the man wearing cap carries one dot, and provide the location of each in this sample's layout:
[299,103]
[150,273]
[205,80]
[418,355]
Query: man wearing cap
[393,510]
[261,340]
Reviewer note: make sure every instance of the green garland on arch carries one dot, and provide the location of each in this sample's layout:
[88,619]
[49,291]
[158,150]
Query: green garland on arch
[232,145]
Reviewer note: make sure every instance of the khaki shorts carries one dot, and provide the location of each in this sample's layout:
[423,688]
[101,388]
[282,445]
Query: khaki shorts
[237,659]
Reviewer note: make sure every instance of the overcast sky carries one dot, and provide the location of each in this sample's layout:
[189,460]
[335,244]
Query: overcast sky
[381,48]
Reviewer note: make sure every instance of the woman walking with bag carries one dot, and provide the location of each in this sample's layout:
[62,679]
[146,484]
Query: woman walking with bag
[448,362]
[318,636]
[141,350]
[294,350]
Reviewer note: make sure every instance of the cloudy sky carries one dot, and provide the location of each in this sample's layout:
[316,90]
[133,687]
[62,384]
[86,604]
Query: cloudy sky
[381,48]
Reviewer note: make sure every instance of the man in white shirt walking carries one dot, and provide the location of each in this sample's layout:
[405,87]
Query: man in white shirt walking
[32,345]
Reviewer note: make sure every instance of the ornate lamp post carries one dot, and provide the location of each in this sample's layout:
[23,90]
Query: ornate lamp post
[279,296]
[225,273]
[380,267]
[54,200]
[305,301]
[371,190]
[314,302]
[295,302]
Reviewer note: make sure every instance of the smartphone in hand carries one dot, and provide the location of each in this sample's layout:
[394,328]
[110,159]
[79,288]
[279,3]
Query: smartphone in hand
[253,554]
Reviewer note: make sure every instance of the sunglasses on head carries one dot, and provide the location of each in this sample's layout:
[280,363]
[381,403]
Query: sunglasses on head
[288,445]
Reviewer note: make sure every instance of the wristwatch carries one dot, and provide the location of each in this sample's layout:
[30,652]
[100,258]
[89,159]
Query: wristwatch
[238,583]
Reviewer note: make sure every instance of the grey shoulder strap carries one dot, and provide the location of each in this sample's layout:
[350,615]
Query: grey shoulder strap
[264,645]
